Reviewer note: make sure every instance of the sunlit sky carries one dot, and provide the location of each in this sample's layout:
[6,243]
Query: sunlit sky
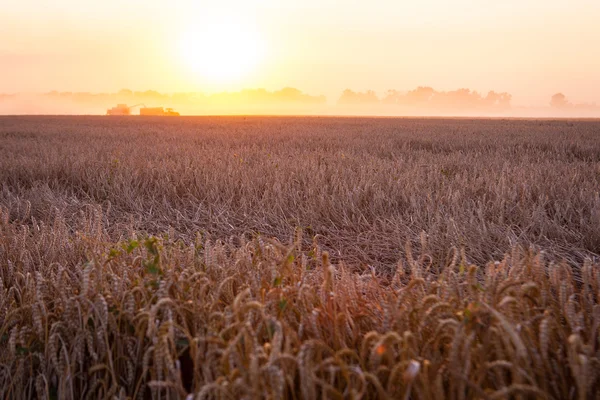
[530,48]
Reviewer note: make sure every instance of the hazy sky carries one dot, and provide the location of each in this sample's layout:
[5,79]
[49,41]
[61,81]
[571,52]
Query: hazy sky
[530,48]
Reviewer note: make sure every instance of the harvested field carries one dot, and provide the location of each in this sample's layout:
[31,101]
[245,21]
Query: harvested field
[256,257]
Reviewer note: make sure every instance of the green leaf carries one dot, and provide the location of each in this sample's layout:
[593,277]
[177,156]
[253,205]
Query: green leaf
[152,267]
[131,246]
[154,284]
[113,253]
[271,329]
[282,304]
[467,315]
[152,245]
[277,281]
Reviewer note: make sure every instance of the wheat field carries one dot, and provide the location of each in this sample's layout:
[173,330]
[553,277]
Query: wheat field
[299,258]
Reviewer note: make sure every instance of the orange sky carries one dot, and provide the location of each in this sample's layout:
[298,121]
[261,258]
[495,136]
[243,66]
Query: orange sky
[529,48]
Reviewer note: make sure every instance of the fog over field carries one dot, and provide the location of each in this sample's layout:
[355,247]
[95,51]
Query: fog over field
[420,101]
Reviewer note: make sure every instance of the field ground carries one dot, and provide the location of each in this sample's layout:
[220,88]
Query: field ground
[366,185]
[293,257]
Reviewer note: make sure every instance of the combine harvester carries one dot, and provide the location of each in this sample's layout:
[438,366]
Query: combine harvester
[124,109]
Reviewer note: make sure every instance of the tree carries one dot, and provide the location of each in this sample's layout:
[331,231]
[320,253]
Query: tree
[421,94]
[392,97]
[559,100]
[351,97]
[495,99]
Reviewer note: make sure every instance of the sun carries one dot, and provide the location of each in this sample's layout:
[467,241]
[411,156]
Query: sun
[221,51]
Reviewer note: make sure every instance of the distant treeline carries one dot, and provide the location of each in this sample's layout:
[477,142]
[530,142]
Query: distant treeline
[258,96]
[560,101]
[423,100]
[427,97]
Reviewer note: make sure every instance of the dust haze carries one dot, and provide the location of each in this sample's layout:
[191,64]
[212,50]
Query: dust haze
[421,101]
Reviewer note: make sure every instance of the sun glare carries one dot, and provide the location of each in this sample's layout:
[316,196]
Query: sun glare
[221,52]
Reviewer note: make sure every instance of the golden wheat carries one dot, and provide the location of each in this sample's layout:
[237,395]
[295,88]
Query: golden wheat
[160,259]
[169,335]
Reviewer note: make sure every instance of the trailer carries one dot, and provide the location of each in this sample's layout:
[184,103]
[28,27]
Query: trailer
[158,111]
